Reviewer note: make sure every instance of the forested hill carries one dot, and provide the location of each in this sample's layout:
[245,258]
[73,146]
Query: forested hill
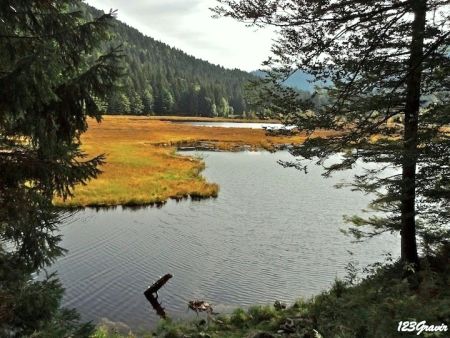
[163,80]
[299,80]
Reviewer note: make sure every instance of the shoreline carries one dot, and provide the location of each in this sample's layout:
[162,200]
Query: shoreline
[209,119]
[144,166]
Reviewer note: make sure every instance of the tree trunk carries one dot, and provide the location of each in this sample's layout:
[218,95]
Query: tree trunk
[410,151]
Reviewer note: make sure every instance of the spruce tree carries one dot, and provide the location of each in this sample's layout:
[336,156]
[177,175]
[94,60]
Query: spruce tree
[50,83]
[385,65]
[148,101]
[163,101]
[136,105]
[150,62]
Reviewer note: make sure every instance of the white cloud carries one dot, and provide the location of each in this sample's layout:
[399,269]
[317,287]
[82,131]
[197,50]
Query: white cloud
[188,25]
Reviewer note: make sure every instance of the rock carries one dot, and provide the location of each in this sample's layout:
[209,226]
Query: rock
[279,306]
[288,326]
[317,334]
[200,306]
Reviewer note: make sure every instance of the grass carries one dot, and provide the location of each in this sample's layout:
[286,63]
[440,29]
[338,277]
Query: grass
[142,166]
[371,307]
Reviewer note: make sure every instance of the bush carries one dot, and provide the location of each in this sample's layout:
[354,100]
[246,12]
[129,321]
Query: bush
[262,313]
[239,317]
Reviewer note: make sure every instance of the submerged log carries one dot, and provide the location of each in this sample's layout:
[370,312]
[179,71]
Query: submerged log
[158,284]
[152,294]
[160,311]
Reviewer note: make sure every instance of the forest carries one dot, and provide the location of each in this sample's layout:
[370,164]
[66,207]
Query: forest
[93,208]
[161,80]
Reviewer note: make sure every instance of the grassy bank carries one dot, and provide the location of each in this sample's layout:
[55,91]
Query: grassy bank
[368,308]
[142,166]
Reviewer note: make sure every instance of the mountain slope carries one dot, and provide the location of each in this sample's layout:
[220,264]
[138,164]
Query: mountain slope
[164,80]
[298,80]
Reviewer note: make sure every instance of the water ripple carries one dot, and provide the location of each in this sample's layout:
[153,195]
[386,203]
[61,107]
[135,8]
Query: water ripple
[272,233]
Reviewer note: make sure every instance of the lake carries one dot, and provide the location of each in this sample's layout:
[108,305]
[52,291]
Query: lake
[248,125]
[272,234]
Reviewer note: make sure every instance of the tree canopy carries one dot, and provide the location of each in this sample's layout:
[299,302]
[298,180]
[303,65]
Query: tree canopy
[50,82]
[386,67]
[180,84]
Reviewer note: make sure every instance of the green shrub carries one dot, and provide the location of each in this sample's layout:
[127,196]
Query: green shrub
[238,318]
[262,313]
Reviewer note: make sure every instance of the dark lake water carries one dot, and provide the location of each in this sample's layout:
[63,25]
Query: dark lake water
[272,234]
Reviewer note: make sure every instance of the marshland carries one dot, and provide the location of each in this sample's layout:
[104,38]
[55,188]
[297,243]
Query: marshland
[232,250]
[228,168]
[143,166]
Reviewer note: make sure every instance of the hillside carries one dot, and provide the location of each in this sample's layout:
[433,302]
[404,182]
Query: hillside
[304,85]
[299,80]
[166,81]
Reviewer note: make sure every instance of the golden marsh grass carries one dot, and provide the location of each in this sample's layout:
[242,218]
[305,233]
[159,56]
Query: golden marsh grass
[142,166]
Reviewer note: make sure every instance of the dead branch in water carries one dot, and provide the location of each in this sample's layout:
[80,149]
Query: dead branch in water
[152,294]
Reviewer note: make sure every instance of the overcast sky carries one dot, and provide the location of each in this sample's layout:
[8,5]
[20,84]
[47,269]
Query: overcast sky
[187,25]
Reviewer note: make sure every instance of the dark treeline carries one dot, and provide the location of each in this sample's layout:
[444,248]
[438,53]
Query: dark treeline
[162,80]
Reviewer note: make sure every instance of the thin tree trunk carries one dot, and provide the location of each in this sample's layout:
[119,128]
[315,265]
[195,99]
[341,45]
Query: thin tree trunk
[410,151]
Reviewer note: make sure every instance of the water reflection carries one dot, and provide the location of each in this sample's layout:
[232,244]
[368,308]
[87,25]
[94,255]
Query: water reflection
[152,295]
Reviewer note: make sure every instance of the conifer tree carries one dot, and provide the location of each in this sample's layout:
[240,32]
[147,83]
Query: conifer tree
[148,61]
[136,105]
[50,83]
[164,101]
[147,101]
[385,65]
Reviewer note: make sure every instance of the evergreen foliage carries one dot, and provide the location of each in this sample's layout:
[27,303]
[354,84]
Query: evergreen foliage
[49,85]
[386,67]
[180,84]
